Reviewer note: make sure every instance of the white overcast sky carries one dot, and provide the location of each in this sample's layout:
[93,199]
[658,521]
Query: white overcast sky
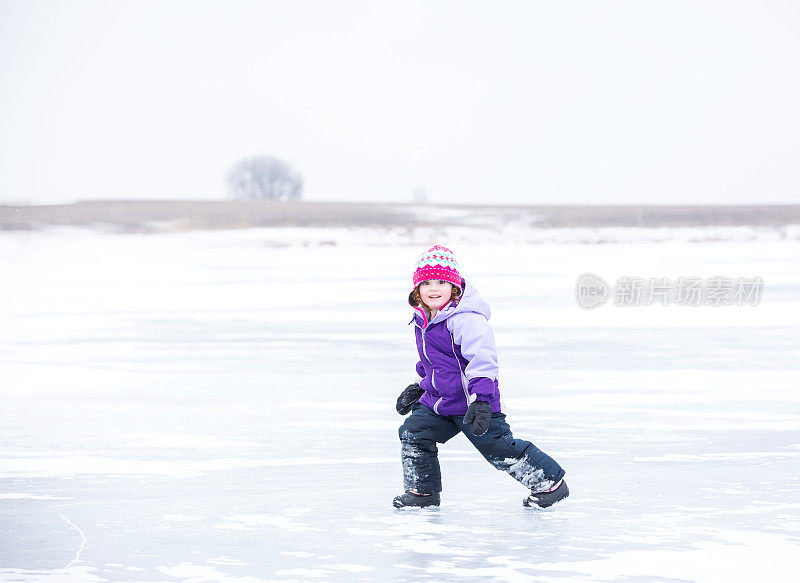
[528,102]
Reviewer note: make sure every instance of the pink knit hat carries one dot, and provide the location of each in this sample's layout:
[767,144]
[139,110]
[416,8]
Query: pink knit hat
[437,263]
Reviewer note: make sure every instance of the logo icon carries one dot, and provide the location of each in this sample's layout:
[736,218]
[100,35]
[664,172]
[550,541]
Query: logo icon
[591,291]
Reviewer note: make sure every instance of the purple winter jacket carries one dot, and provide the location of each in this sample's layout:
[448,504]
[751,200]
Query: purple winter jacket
[458,357]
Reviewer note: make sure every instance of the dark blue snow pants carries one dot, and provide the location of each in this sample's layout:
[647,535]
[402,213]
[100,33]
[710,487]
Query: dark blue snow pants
[423,429]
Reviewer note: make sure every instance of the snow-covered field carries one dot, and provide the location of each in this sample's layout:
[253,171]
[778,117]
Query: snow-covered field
[219,406]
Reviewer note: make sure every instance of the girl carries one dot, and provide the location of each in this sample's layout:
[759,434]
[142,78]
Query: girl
[457,391]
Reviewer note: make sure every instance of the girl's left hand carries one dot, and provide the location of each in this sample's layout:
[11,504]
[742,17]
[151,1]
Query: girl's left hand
[478,417]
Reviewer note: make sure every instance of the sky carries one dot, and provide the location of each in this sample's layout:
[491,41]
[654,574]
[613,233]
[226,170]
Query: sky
[627,102]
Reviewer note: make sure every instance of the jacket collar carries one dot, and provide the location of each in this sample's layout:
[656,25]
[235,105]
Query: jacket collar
[421,313]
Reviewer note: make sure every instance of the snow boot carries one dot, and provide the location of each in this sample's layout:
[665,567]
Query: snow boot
[547,499]
[415,500]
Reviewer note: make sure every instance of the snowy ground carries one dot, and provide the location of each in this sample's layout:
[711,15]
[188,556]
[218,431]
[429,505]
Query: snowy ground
[219,406]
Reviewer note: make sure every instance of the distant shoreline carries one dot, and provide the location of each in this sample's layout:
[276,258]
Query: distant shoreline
[166,216]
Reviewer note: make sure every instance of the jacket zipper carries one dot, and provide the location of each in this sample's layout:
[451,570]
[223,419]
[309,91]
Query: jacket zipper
[425,352]
[463,376]
[433,371]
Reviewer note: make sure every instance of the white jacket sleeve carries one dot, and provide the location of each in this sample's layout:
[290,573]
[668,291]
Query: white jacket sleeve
[473,334]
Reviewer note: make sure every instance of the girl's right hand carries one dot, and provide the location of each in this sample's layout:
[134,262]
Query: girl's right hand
[408,397]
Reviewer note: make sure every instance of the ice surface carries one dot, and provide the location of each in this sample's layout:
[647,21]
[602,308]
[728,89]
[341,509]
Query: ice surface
[219,406]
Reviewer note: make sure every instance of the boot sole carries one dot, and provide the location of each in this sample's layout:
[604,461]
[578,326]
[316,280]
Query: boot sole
[401,505]
[397,503]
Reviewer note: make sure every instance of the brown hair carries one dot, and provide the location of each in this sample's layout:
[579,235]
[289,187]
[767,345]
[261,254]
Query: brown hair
[415,299]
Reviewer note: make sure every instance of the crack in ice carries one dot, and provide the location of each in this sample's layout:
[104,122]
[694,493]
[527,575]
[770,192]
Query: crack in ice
[83,541]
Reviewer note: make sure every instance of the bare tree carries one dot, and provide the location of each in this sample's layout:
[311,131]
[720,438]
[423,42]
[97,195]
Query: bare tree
[263,178]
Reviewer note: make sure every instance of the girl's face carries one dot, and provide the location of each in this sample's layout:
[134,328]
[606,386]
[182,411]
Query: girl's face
[435,293]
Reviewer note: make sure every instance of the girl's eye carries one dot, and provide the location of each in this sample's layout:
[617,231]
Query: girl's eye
[442,282]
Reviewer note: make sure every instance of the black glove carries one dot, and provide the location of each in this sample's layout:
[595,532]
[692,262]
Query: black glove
[478,417]
[408,397]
